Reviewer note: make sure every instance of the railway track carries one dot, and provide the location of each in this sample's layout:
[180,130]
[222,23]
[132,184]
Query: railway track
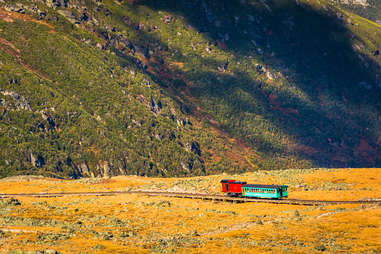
[220,198]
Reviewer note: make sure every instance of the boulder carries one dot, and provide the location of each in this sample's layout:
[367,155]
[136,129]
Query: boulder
[20,102]
[84,17]
[259,69]
[166,19]
[53,3]
[195,148]
[69,16]
[49,119]
[13,81]
[106,170]
[38,162]
[84,169]
[50,251]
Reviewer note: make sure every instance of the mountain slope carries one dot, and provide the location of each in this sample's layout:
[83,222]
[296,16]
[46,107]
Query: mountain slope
[370,9]
[185,87]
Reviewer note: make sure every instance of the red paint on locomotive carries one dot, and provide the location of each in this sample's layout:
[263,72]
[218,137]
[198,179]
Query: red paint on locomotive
[232,187]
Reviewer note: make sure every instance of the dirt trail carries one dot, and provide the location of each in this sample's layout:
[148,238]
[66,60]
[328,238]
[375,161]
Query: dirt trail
[9,44]
[12,50]
[11,16]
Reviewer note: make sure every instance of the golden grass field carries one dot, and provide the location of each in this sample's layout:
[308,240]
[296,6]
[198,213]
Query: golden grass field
[134,223]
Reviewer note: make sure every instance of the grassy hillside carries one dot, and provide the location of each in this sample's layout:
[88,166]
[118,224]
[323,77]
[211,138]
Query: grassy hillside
[186,87]
[370,9]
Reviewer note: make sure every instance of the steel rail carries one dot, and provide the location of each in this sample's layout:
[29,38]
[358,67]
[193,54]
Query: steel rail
[202,196]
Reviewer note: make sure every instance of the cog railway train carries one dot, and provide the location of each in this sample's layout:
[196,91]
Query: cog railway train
[235,188]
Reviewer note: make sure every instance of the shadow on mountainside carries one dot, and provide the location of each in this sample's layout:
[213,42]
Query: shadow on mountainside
[329,103]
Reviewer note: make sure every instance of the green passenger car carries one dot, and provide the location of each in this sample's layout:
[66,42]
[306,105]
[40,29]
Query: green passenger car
[264,191]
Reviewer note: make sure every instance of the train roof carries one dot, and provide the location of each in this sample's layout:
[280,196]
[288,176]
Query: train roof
[232,181]
[265,186]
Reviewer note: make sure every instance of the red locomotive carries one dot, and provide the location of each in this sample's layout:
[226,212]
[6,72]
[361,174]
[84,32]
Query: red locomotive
[232,187]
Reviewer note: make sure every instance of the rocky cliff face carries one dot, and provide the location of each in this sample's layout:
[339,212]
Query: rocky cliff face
[190,87]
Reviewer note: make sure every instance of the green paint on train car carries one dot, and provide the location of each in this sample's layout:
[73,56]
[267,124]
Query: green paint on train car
[284,191]
[261,192]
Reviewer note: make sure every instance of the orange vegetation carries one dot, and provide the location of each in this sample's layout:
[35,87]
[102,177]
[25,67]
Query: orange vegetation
[139,224]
